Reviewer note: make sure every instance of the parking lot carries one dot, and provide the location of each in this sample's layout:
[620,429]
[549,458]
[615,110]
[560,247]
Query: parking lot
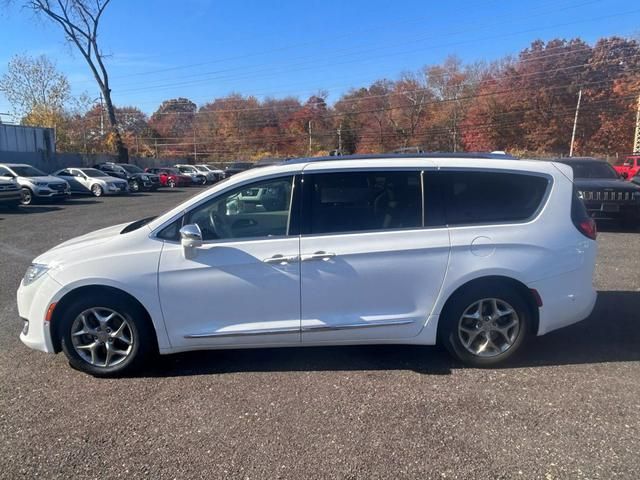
[568,407]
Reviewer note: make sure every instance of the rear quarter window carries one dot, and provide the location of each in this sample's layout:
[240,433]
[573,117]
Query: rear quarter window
[491,197]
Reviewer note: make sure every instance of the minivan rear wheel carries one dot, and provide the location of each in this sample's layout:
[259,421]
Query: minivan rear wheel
[484,325]
[105,336]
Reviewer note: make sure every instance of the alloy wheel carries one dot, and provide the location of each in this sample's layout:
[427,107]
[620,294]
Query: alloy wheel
[488,327]
[96,190]
[27,196]
[102,337]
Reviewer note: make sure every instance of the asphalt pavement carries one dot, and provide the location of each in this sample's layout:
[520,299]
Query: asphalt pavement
[568,407]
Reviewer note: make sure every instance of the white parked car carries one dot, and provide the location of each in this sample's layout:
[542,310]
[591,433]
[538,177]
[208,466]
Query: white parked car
[476,254]
[35,184]
[92,181]
[197,177]
[213,174]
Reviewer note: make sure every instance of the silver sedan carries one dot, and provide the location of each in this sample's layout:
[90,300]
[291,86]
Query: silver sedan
[92,181]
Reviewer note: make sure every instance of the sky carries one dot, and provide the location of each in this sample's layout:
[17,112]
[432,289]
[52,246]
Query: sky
[203,49]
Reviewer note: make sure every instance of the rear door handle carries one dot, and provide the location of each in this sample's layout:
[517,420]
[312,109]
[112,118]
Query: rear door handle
[279,259]
[324,256]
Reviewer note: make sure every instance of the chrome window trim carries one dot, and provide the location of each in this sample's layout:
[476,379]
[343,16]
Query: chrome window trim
[421,170]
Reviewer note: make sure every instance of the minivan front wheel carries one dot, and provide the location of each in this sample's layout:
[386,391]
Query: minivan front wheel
[485,325]
[105,336]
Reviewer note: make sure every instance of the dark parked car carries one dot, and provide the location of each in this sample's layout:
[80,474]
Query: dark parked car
[237,167]
[137,178]
[10,194]
[603,192]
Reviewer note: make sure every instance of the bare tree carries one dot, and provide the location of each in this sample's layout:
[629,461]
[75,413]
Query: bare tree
[80,19]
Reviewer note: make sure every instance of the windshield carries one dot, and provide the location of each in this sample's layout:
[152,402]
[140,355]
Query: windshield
[132,168]
[92,172]
[592,170]
[200,168]
[28,171]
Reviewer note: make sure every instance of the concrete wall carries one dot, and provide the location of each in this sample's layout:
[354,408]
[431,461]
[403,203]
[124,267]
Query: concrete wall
[50,164]
[18,138]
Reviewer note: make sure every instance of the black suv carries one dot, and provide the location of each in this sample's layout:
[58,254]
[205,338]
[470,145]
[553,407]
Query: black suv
[603,192]
[237,167]
[138,179]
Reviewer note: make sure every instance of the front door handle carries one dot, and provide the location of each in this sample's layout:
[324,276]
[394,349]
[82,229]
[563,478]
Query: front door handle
[321,255]
[279,259]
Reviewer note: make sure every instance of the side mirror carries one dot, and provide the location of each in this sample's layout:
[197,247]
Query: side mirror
[191,236]
[624,175]
[10,175]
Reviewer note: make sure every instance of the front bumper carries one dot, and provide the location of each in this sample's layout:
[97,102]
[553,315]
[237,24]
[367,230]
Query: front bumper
[46,192]
[33,303]
[10,197]
[116,189]
[613,210]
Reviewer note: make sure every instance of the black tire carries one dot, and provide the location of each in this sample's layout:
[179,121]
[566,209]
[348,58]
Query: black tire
[134,186]
[171,183]
[203,180]
[97,190]
[450,336]
[141,334]
[27,196]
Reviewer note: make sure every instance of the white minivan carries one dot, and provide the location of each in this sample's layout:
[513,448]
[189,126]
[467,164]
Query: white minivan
[474,253]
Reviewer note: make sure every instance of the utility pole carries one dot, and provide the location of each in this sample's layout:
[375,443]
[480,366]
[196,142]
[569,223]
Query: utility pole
[195,148]
[156,142]
[636,138]
[340,138]
[575,124]
[309,138]
[101,116]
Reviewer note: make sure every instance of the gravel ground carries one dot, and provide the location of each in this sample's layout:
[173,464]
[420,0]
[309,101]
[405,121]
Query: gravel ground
[569,407]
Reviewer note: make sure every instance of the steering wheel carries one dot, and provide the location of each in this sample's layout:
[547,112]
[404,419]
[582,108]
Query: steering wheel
[220,225]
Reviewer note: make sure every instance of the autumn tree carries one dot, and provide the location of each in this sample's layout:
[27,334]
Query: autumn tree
[174,123]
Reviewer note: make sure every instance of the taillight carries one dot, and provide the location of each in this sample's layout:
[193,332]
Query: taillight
[581,219]
[588,228]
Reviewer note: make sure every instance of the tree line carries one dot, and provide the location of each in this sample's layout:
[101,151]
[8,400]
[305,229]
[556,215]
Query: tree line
[524,104]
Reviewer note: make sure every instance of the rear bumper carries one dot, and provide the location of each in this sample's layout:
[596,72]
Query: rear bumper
[567,299]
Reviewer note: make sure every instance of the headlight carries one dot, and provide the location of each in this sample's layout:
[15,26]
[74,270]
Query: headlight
[580,195]
[35,271]
[145,177]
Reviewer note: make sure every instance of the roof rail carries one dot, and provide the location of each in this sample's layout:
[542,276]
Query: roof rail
[376,156]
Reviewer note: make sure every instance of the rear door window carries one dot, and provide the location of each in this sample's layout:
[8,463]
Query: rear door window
[342,202]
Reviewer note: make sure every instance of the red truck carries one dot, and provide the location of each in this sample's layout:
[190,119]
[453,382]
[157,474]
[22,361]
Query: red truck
[629,167]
